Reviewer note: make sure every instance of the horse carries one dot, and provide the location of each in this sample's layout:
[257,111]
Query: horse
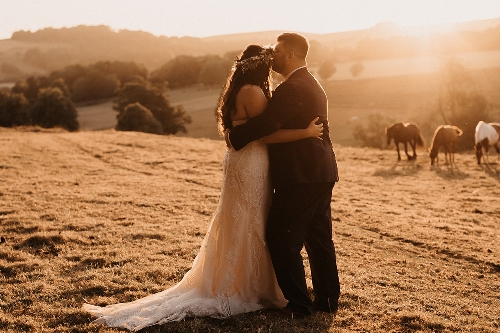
[404,133]
[486,135]
[446,136]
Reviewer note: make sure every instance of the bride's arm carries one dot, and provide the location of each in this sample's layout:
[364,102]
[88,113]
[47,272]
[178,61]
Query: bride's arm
[288,135]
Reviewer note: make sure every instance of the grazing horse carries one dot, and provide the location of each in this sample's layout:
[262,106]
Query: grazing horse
[486,135]
[405,133]
[446,136]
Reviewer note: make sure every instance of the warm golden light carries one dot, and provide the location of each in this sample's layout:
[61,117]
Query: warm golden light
[200,18]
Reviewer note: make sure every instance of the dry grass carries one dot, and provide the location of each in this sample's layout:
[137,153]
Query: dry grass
[108,217]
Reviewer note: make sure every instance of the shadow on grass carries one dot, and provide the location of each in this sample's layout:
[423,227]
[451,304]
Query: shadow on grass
[491,170]
[399,169]
[413,323]
[8,326]
[72,320]
[17,269]
[42,245]
[449,171]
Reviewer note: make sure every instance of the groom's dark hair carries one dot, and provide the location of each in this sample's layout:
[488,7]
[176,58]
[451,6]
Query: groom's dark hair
[295,43]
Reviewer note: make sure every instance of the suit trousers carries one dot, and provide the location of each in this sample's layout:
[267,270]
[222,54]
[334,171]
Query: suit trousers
[300,215]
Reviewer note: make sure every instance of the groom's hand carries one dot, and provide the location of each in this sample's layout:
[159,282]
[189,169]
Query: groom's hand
[226,137]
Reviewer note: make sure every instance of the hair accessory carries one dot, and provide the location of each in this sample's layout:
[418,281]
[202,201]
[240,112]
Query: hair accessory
[264,57]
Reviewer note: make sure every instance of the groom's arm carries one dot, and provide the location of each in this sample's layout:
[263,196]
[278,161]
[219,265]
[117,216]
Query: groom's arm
[283,104]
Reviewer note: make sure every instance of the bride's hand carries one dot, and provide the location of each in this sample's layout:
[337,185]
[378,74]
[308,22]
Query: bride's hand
[315,131]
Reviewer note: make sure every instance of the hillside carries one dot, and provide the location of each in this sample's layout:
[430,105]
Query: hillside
[45,50]
[106,217]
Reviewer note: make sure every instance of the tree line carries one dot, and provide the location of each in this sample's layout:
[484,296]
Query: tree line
[140,98]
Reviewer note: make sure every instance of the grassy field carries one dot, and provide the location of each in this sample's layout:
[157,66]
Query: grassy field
[105,217]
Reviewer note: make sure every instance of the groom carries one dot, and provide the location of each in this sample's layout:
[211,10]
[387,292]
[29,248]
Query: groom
[303,174]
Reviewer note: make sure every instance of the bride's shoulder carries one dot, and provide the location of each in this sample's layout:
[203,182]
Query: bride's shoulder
[250,91]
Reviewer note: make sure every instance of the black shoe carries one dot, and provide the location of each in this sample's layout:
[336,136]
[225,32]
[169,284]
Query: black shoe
[330,305]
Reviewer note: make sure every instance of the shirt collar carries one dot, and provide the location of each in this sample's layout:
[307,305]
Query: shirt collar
[296,69]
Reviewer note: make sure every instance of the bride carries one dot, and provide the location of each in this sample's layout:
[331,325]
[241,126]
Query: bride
[232,272]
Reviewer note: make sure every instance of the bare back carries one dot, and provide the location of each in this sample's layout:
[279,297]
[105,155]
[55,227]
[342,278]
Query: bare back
[250,102]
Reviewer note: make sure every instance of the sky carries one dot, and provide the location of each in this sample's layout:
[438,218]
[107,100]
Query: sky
[203,18]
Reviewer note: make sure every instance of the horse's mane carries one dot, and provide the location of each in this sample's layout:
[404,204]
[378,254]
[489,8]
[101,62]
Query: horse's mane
[433,141]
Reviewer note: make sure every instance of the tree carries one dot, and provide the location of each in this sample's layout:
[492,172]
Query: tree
[326,70]
[215,71]
[69,74]
[52,109]
[13,109]
[59,83]
[182,71]
[460,103]
[94,85]
[124,71]
[357,68]
[31,86]
[135,117]
[172,119]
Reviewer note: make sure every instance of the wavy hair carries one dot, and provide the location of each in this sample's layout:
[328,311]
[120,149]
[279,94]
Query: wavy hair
[258,74]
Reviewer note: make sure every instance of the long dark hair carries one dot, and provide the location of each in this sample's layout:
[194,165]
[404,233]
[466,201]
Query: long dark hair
[258,75]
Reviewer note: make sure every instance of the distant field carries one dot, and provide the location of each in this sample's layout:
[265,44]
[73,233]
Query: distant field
[199,103]
[402,89]
[400,98]
[416,65]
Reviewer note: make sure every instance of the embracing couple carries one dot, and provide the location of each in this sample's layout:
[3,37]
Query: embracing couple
[278,176]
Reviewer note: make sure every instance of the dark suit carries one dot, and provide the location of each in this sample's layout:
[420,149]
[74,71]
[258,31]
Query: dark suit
[303,173]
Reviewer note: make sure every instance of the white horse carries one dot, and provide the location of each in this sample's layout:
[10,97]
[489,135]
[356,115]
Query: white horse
[486,135]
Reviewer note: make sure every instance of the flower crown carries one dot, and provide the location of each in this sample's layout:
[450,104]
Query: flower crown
[264,57]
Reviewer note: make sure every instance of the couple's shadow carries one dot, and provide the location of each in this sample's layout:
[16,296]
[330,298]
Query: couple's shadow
[267,320]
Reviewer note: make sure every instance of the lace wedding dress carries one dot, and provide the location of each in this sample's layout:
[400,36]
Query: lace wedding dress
[232,273]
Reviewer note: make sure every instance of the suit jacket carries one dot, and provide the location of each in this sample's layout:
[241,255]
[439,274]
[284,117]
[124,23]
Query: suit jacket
[295,103]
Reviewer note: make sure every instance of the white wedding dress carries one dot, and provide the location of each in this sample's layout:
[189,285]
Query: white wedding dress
[232,273]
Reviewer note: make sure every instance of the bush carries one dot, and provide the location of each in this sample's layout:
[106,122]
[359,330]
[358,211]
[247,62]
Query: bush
[70,74]
[179,72]
[135,117]
[94,85]
[215,71]
[326,70]
[172,119]
[373,134]
[52,109]
[124,71]
[30,87]
[13,109]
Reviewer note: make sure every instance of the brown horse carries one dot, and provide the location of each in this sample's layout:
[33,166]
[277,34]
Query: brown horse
[405,133]
[446,136]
